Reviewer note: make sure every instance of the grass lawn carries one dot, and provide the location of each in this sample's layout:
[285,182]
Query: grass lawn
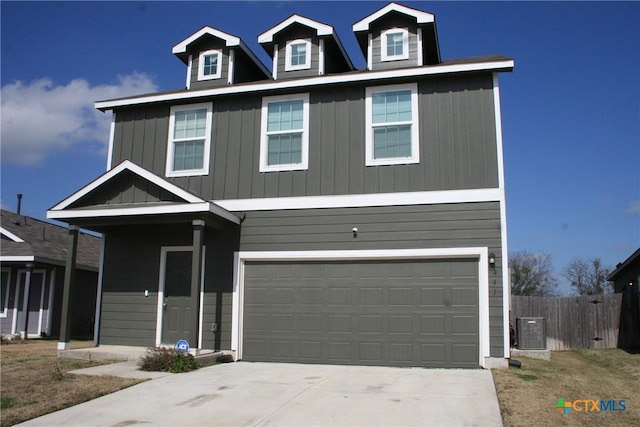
[528,395]
[35,382]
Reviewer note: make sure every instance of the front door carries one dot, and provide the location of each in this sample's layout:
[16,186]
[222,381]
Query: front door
[177,317]
[36,300]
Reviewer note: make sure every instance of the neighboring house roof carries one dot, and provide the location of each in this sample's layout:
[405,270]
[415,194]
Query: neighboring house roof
[624,266]
[26,239]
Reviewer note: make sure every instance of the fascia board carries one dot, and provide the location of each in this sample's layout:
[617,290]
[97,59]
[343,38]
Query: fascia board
[321,29]
[10,235]
[229,39]
[421,17]
[126,165]
[501,65]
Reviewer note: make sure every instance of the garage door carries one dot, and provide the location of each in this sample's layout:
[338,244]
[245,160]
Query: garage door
[392,313]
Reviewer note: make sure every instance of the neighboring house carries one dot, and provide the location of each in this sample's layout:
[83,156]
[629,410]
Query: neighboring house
[315,213]
[626,280]
[33,255]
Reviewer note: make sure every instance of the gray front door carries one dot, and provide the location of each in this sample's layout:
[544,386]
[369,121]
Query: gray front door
[390,313]
[177,308]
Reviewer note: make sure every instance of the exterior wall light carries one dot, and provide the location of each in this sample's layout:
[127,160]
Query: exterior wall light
[492,261]
[354,230]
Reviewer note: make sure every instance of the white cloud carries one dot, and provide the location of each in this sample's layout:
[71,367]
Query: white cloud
[633,207]
[39,118]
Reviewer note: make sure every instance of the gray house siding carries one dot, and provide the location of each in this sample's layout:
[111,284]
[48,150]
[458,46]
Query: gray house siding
[201,46]
[392,227]
[293,33]
[394,21]
[128,317]
[457,144]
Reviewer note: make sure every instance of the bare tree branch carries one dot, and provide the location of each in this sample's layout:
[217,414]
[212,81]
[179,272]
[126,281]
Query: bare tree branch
[532,274]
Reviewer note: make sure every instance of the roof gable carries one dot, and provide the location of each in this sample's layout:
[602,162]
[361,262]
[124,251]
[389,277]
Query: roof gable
[420,16]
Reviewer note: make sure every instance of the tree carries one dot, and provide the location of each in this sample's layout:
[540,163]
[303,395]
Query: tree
[531,274]
[587,276]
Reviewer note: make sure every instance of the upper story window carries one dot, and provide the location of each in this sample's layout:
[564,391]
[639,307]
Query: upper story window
[284,140]
[298,55]
[210,65]
[394,44]
[189,140]
[392,125]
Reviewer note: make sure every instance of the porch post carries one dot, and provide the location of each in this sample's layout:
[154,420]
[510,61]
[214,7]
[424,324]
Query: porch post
[24,323]
[69,273]
[196,278]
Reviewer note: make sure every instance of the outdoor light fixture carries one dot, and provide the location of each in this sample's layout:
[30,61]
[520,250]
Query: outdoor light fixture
[354,230]
[492,261]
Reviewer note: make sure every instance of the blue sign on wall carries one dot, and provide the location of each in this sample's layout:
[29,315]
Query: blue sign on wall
[182,346]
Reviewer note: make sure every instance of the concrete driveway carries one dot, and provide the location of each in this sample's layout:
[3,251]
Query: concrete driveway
[275,394]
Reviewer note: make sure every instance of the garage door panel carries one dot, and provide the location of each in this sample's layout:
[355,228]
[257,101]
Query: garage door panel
[393,313]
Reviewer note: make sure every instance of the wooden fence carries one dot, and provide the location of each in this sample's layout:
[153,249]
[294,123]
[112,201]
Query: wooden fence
[573,322]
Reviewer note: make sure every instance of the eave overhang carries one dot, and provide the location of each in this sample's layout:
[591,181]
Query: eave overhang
[496,64]
[420,16]
[623,266]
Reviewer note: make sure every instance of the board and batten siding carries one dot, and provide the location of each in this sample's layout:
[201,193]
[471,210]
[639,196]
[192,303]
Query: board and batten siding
[128,317]
[387,23]
[391,227]
[457,143]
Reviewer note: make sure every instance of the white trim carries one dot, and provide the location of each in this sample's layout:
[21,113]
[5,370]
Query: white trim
[307,55]
[421,17]
[274,71]
[6,233]
[321,29]
[506,278]
[264,136]
[321,57]
[18,308]
[189,68]
[384,41]
[229,39]
[17,258]
[161,284]
[480,253]
[52,287]
[16,299]
[151,210]
[201,57]
[130,166]
[506,65]
[112,135]
[204,170]
[370,160]
[370,51]
[361,200]
[3,313]
[419,47]
[232,66]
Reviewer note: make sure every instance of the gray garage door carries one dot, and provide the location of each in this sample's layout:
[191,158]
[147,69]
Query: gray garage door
[400,313]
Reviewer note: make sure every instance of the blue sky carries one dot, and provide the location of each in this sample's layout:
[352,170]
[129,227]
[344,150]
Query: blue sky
[570,109]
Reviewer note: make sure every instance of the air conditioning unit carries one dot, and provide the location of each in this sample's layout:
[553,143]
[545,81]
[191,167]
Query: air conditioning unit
[532,334]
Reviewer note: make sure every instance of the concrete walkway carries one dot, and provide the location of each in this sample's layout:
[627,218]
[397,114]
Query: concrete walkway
[275,394]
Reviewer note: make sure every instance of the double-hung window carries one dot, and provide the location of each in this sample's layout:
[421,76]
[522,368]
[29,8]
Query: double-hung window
[298,55]
[394,44]
[210,65]
[189,140]
[284,142]
[392,125]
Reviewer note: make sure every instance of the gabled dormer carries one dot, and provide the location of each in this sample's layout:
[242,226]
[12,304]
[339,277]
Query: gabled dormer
[397,36]
[302,47]
[215,58]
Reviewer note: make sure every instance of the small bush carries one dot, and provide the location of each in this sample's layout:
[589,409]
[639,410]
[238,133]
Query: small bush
[167,360]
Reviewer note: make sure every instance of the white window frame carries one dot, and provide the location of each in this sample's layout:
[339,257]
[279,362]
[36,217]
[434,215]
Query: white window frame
[207,141]
[307,63]
[3,313]
[405,44]
[264,136]
[415,125]
[218,74]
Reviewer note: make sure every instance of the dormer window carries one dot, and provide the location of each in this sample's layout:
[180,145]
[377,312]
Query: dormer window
[210,65]
[298,55]
[395,44]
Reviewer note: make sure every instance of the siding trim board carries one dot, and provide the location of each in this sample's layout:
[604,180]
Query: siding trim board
[363,200]
[480,253]
[501,64]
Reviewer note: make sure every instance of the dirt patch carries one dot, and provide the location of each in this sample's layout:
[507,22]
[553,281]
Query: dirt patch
[36,382]
[528,396]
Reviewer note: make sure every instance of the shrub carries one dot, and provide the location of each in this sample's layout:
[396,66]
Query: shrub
[167,360]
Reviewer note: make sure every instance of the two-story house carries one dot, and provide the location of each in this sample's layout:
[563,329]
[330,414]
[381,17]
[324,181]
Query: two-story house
[315,213]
